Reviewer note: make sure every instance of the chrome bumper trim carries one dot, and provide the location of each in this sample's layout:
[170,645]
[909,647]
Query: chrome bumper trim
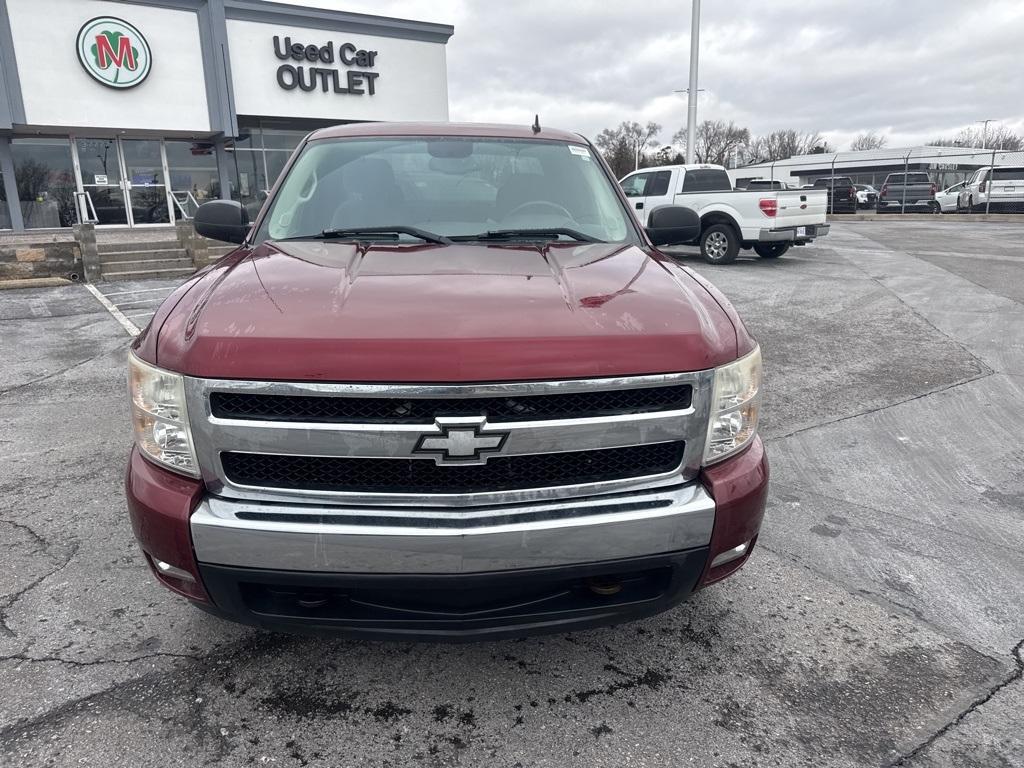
[431,541]
[776,235]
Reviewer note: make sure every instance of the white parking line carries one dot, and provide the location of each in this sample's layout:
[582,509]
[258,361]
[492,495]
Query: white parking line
[131,303]
[128,325]
[140,290]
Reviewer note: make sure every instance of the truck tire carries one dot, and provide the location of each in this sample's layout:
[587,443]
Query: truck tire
[770,250]
[719,244]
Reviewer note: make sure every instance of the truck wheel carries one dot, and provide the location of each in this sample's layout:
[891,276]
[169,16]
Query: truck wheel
[770,250]
[719,244]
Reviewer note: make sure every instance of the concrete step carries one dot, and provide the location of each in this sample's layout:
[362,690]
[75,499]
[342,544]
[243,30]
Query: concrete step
[122,246]
[135,266]
[140,274]
[150,254]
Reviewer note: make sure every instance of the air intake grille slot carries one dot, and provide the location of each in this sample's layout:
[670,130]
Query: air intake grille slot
[342,474]
[398,410]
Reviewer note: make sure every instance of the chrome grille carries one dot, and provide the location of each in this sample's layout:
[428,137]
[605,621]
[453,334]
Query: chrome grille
[282,441]
[393,410]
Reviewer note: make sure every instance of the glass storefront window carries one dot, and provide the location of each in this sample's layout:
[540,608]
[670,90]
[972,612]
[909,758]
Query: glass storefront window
[46,181]
[258,157]
[282,139]
[5,215]
[193,172]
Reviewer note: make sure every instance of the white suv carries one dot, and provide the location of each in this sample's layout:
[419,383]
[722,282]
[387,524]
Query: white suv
[997,188]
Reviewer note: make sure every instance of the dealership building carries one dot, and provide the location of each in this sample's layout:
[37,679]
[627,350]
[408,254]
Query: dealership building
[127,115]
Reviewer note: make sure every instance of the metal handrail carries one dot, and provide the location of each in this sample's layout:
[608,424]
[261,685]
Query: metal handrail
[189,197]
[94,219]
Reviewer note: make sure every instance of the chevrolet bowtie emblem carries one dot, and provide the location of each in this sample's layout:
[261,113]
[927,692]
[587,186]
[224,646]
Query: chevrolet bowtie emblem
[462,440]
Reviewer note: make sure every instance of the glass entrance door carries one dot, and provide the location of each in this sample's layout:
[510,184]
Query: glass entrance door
[124,180]
[146,175]
[99,167]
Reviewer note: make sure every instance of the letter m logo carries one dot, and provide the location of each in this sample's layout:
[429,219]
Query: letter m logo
[115,48]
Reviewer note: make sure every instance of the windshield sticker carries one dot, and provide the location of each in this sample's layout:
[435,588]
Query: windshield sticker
[580,151]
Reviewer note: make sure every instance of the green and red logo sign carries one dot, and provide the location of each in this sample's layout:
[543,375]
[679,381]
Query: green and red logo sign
[114,52]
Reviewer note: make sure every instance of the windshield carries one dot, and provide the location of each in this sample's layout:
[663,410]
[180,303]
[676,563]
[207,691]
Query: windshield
[447,187]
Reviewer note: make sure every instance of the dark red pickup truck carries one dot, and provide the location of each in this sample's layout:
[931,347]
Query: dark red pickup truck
[446,387]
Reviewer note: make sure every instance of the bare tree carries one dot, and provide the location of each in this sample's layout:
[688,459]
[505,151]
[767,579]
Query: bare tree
[623,146]
[999,137]
[779,145]
[716,140]
[640,137]
[867,140]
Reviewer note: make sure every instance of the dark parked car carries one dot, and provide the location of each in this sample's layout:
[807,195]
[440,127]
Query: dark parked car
[842,194]
[908,192]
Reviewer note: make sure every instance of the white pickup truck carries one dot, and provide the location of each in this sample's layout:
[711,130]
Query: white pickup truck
[769,221]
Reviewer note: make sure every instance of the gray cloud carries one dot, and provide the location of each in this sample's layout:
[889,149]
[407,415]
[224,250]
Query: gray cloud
[912,70]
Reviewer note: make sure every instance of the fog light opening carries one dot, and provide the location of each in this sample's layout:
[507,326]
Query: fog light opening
[730,554]
[604,586]
[166,569]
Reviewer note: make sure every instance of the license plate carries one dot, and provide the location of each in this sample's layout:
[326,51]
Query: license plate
[802,231]
[1008,189]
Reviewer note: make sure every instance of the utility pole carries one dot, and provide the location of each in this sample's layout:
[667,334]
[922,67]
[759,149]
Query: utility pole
[984,130]
[691,94]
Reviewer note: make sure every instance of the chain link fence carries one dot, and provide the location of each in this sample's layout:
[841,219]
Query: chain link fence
[920,180]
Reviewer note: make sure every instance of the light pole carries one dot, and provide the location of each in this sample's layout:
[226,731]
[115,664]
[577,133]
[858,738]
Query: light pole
[984,131]
[691,94]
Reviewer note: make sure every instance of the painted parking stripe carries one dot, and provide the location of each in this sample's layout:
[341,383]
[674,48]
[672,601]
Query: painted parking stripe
[140,290]
[137,303]
[128,325]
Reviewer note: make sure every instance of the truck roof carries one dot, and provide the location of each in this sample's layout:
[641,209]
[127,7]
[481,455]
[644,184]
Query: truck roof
[488,130]
[690,167]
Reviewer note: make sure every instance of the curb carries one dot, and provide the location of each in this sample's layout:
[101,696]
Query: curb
[965,217]
[34,282]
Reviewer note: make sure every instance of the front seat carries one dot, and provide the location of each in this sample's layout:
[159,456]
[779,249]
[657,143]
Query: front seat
[373,197]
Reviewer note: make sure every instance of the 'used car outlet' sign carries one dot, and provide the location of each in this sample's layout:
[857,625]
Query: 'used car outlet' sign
[309,78]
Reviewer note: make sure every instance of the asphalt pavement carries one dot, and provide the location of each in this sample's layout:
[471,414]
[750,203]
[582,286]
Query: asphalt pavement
[878,623]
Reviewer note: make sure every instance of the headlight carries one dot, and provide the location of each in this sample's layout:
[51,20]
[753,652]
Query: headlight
[160,418]
[735,405]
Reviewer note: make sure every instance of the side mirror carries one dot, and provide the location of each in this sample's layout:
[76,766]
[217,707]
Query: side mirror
[223,220]
[670,224]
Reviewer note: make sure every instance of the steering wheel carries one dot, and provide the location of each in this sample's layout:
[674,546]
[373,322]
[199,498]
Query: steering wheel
[540,204]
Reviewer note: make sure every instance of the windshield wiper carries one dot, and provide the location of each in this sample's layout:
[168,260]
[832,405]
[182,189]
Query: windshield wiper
[547,233]
[376,233]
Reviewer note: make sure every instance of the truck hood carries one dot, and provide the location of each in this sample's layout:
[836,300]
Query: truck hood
[313,310]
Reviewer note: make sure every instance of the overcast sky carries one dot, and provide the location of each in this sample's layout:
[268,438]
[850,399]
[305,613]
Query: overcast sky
[913,70]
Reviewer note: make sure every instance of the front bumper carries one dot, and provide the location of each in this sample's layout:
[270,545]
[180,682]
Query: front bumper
[447,573]
[909,203]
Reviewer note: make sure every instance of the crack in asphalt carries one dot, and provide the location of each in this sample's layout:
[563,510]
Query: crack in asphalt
[62,371]
[929,393]
[201,662]
[1014,676]
[98,662]
[47,546]
[880,599]
[910,308]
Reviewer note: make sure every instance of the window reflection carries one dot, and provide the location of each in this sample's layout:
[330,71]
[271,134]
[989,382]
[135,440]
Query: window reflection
[193,172]
[5,214]
[258,156]
[46,181]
